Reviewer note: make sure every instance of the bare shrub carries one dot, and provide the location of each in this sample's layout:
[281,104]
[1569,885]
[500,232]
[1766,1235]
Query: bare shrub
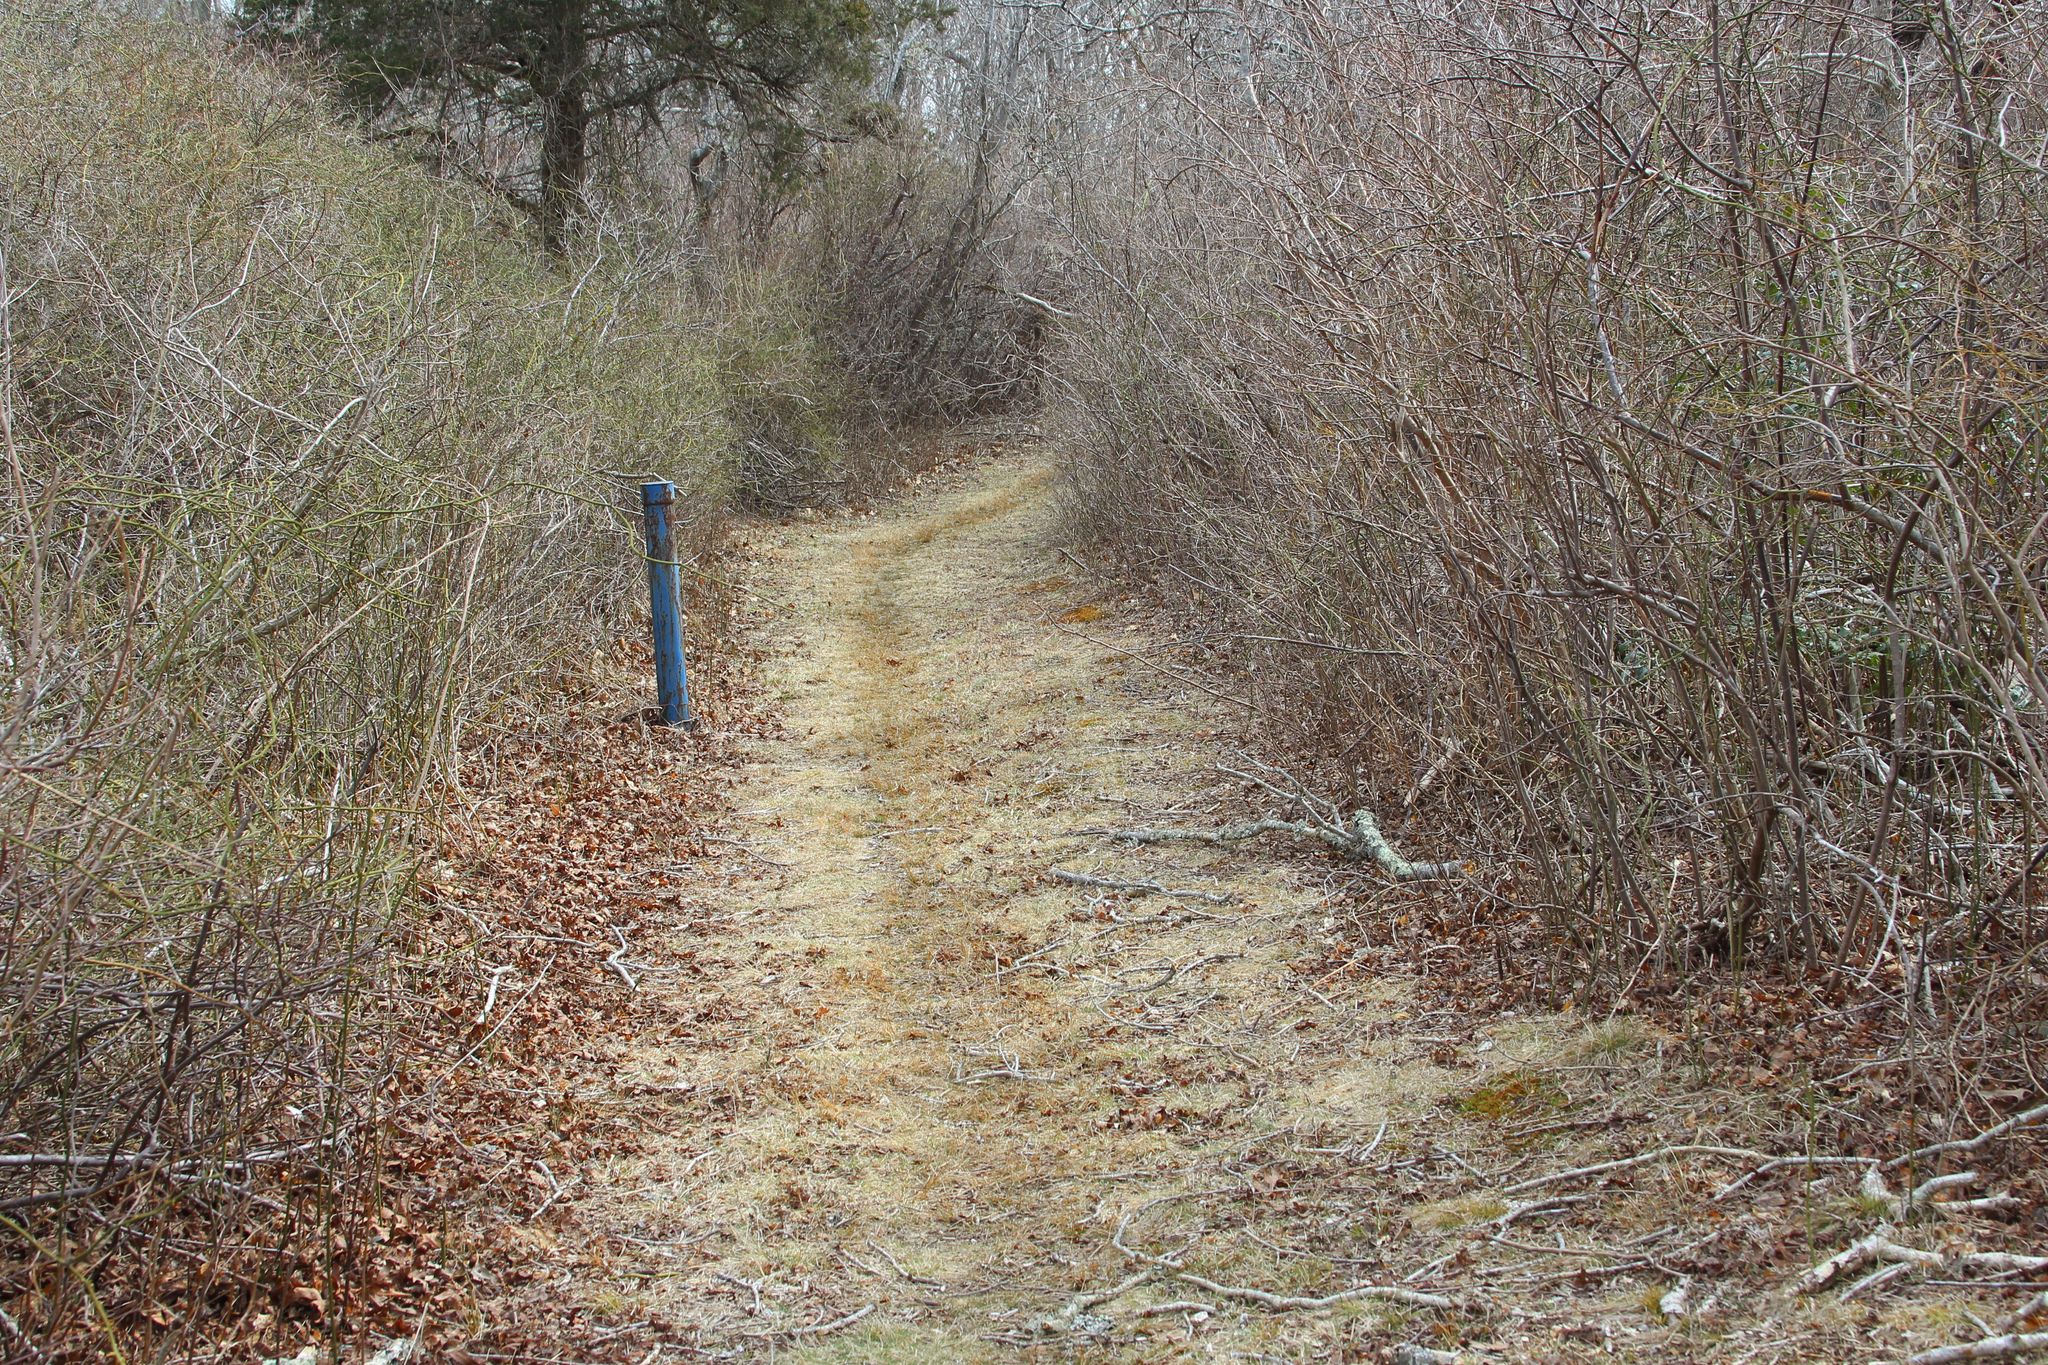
[915,257]
[1641,407]
[310,465]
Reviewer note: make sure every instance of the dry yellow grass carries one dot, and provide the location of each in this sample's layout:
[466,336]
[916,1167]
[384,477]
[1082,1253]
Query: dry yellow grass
[936,1083]
[941,745]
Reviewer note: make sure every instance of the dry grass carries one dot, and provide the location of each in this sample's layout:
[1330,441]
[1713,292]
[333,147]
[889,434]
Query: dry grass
[940,1084]
[314,477]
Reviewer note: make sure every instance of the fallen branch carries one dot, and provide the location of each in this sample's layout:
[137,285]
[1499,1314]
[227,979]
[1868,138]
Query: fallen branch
[2038,1114]
[2001,1262]
[1415,1298]
[819,1329]
[1137,888]
[617,962]
[1073,1316]
[1362,840]
[897,1266]
[1780,1163]
[2023,1315]
[1640,1159]
[1990,1348]
[1355,836]
[491,998]
[1878,1246]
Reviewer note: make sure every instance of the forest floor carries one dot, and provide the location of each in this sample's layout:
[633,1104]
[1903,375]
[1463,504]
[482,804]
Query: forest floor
[887,1089]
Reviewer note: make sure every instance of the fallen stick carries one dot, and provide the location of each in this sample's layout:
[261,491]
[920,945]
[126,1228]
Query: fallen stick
[1141,888]
[2020,1316]
[2038,1114]
[1415,1298]
[897,1266]
[1081,1303]
[1878,1246]
[1990,1348]
[2002,1262]
[1073,1315]
[1355,836]
[819,1329]
[1923,1193]
[1781,1163]
[617,962]
[1361,840]
[1878,1278]
[491,999]
[1630,1162]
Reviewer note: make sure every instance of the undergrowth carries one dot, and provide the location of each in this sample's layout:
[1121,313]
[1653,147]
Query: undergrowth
[316,472]
[1671,553]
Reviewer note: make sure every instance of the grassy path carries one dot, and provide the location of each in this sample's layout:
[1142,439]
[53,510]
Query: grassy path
[952,1076]
[933,1102]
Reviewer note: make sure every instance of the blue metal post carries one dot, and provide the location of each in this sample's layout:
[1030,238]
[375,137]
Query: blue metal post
[664,590]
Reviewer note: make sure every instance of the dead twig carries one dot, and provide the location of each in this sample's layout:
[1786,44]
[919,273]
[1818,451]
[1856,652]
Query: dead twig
[1361,840]
[1990,1348]
[819,1329]
[617,962]
[1644,1159]
[897,1266]
[1138,888]
[2027,1119]
[1073,1315]
[1414,1298]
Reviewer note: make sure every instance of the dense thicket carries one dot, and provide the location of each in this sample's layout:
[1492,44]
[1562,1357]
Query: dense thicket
[1630,416]
[312,465]
[317,475]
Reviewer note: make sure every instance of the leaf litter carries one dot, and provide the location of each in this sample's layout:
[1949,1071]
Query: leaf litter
[832,1034]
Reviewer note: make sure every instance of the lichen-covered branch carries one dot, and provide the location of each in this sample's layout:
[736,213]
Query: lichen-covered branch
[1355,836]
[1362,840]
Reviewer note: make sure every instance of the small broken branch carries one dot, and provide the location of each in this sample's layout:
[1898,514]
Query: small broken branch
[1073,1315]
[1355,836]
[1137,888]
[2037,1114]
[1630,1162]
[1414,1298]
[819,1329]
[897,1266]
[1878,1246]
[617,962]
[1990,1348]
[1362,840]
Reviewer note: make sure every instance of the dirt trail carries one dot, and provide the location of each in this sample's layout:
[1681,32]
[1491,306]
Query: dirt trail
[913,1078]
[948,1076]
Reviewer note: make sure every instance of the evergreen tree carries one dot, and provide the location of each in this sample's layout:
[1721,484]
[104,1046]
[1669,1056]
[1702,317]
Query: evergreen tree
[563,66]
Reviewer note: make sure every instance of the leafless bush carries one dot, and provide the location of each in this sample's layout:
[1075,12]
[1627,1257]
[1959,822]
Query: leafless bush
[917,258]
[305,471]
[896,231]
[1642,404]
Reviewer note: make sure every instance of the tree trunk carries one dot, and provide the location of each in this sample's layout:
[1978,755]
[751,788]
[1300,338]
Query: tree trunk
[561,86]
